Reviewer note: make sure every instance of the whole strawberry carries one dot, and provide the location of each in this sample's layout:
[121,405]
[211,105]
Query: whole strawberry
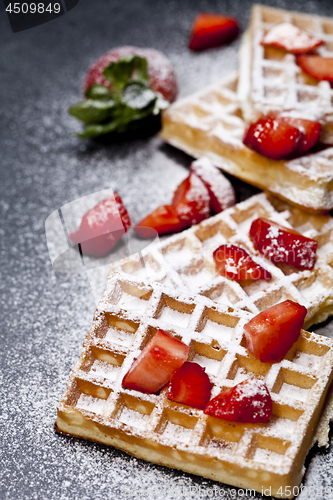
[124,89]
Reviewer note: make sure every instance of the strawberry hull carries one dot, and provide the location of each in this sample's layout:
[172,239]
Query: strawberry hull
[283,245]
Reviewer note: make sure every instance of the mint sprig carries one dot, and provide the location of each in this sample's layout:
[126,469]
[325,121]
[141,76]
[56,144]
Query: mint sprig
[124,106]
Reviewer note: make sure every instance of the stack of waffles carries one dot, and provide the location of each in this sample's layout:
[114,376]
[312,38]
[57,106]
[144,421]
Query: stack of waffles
[174,286]
[212,122]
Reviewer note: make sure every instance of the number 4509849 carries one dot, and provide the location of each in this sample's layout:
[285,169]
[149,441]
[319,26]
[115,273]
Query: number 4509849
[33,8]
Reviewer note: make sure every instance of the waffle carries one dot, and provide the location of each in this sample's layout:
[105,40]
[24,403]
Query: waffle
[210,123]
[185,262]
[270,79]
[97,407]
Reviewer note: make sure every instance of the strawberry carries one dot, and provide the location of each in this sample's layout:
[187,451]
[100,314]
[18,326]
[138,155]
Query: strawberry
[272,137]
[102,227]
[282,244]
[235,263]
[191,200]
[161,72]
[190,385]
[320,68]
[222,194]
[212,30]
[288,37]
[248,402]
[310,132]
[163,219]
[271,333]
[156,363]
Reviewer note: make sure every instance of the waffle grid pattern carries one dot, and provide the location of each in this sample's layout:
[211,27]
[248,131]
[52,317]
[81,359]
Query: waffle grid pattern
[277,82]
[185,261]
[264,453]
[210,123]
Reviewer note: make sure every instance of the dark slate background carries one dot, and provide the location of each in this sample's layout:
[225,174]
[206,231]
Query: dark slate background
[43,166]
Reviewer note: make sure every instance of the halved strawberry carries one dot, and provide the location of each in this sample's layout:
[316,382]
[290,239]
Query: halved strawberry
[320,68]
[102,226]
[162,75]
[212,30]
[190,385]
[156,363]
[271,333]
[222,194]
[282,244]
[191,200]
[163,219]
[248,402]
[272,137]
[310,132]
[235,263]
[288,37]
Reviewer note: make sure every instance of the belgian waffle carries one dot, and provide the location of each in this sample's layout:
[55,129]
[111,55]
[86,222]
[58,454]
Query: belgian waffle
[97,407]
[185,262]
[270,79]
[210,123]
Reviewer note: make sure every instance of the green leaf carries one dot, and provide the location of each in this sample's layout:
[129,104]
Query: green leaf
[137,95]
[93,110]
[97,91]
[126,70]
[95,130]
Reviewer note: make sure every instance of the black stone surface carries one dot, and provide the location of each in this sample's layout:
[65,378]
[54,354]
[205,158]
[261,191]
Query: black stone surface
[44,314]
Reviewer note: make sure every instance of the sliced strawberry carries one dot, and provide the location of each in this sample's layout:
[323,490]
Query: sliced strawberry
[248,402]
[310,132]
[163,219]
[272,137]
[212,30]
[271,333]
[190,385]
[320,68]
[235,263]
[282,244]
[288,37]
[102,226]
[222,194]
[152,369]
[191,200]
[161,72]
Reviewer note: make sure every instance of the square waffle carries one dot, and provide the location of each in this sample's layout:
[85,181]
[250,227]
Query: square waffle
[270,79]
[185,261]
[210,123]
[97,407]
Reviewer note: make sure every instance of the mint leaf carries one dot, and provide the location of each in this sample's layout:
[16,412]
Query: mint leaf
[93,110]
[137,95]
[127,69]
[95,130]
[97,91]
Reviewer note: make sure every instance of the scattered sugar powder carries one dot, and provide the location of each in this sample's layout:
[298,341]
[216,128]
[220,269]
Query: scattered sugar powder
[105,370]
[133,418]
[217,331]
[177,431]
[212,365]
[174,317]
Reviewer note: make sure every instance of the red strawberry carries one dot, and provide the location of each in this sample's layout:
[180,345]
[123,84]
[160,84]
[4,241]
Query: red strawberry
[163,219]
[272,137]
[310,132]
[190,385]
[235,263]
[156,363]
[288,37]
[320,68]
[222,194]
[212,30]
[161,72]
[102,226]
[191,200]
[271,333]
[248,402]
[282,244]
